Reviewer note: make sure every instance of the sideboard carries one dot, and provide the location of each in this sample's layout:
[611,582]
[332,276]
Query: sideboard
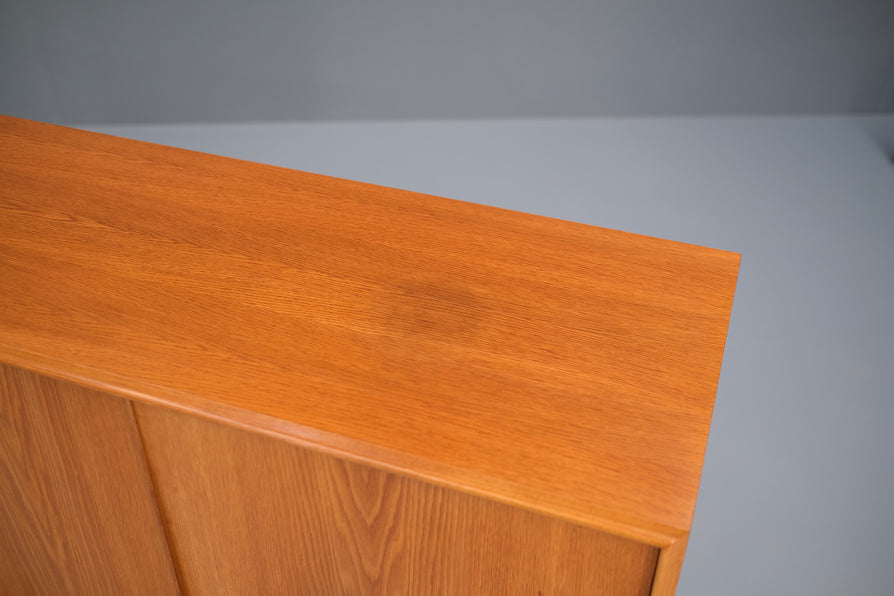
[221,377]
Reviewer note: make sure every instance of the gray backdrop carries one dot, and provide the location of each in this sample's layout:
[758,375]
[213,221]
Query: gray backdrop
[108,61]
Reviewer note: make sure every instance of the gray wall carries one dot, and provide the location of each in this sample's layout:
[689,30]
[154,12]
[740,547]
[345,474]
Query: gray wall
[106,61]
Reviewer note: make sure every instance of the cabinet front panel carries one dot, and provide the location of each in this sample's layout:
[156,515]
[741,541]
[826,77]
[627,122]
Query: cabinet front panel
[250,514]
[77,514]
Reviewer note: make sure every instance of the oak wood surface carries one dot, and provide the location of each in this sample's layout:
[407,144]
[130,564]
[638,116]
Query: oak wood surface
[77,514]
[248,514]
[670,563]
[560,367]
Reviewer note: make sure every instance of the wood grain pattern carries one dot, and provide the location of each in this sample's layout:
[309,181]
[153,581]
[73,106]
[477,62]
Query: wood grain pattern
[77,514]
[670,563]
[556,366]
[248,514]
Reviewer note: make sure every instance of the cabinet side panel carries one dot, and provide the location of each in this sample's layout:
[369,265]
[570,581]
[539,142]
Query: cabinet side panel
[77,512]
[248,513]
[670,563]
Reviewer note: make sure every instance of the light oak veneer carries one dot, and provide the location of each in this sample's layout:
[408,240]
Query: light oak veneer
[77,515]
[504,367]
[346,528]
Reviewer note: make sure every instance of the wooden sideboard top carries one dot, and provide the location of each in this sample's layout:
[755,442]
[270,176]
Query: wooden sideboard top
[556,366]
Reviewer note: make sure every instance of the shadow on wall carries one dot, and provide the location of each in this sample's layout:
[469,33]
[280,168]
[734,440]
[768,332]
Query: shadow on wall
[880,129]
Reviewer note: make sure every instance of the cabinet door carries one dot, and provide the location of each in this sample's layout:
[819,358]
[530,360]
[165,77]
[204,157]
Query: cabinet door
[77,514]
[251,514]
